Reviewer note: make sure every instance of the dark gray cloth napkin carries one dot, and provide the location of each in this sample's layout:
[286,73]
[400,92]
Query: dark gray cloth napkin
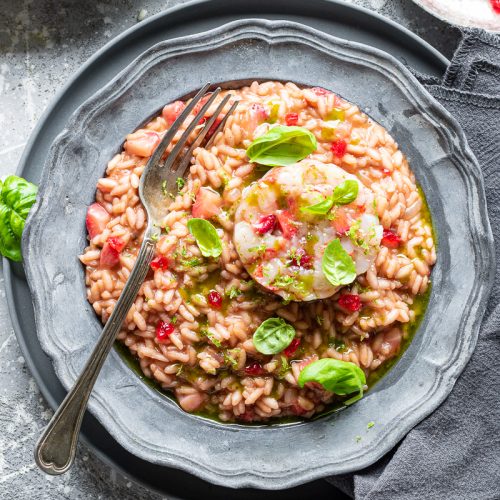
[455,452]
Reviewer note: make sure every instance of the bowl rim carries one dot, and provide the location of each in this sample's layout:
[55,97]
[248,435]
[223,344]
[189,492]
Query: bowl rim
[272,31]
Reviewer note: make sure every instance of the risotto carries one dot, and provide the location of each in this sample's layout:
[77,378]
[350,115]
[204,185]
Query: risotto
[292,261]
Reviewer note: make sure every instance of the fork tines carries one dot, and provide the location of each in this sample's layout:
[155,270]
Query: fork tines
[171,162]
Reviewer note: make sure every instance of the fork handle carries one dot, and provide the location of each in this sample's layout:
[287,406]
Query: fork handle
[56,448]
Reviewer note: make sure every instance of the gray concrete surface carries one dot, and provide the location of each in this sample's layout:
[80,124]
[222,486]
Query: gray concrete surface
[42,42]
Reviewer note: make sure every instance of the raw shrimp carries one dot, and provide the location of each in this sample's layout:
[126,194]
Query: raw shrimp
[282,245]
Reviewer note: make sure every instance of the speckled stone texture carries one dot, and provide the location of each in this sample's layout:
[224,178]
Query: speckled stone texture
[42,42]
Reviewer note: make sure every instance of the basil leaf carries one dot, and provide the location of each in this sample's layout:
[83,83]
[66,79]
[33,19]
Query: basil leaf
[346,192]
[206,237]
[340,377]
[337,264]
[321,208]
[273,335]
[16,199]
[282,146]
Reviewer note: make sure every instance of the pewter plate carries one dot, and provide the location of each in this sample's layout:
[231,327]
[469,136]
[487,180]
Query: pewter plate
[279,456]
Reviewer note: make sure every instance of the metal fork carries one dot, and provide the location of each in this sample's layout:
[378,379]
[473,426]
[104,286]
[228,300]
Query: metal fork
[56,448]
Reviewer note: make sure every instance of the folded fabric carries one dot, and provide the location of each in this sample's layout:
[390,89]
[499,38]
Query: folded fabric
[455,452]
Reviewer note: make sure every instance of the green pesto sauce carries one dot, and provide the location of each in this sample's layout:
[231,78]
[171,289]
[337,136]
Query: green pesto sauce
[201,287]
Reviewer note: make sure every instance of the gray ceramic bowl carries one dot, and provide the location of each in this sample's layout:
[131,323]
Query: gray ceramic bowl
[151,425]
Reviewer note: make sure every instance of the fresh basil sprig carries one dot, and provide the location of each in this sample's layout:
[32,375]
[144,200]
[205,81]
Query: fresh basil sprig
[340,377]
[346,192]
[206,237]
[16,198]
[273,335]
[321,208]
[282,146]
[337,264]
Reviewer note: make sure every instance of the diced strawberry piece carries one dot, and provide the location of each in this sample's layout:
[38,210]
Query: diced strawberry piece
[172,111]
[495,4]
[164,330]
[320,91]
[259,272]
[341,222]
[96,220]
[390,239]
[291,119]
[286,223]
[339,148]
[207,203]
[109,257]
[213,128]
[292,348]
[201,103]
[110,253]
[265,224]
[142,145]
[301,259]
[254,369]
[214,299]
[160,262]
[386,171]
[350,302]
[116,243]
[296,409]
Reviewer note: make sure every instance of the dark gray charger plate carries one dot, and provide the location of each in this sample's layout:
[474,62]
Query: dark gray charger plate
[338,19]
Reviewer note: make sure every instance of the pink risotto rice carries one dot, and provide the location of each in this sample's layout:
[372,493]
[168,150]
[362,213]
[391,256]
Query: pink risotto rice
[192,324]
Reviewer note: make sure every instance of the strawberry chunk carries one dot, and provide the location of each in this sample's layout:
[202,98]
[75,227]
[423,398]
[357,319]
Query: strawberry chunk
[213,128]
[96,220]
[164,330]
[116,243]
[291,119]
[339,148]
[172,111]
[254,369]
[214,299]
[110,253]
[341,222]
[160,262]
[350,302]
[207,203]
[296,409]
[495,4]
[292,348]
[201,103]
[265,224]
[142,145]
[390,239]
[301,259]
[286,224]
